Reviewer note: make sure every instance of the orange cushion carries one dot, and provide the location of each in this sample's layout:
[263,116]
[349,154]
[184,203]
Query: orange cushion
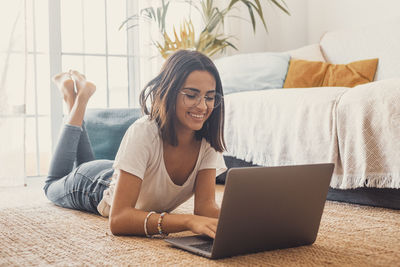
[304,73]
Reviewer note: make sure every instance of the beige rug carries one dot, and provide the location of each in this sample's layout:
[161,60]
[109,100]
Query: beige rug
[43,234]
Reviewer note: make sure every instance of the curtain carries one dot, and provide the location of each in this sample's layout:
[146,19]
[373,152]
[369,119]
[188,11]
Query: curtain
[13,75]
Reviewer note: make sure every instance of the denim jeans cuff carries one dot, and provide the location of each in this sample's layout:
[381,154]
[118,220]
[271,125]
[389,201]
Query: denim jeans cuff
[73,127]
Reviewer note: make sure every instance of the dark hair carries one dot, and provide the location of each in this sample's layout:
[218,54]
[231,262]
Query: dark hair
[163,91]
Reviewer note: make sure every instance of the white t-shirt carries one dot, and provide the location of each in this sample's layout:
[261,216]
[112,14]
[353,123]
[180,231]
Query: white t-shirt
[141,154]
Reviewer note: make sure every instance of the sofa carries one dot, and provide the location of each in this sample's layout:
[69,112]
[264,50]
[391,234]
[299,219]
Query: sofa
[357,128]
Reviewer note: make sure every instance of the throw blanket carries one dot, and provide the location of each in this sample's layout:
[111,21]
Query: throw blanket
[316,125]
[368,129]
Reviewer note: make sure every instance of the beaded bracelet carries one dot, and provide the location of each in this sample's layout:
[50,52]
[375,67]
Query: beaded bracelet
[160,231]
[145,223]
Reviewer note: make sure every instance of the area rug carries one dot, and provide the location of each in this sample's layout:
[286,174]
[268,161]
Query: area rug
[44,234]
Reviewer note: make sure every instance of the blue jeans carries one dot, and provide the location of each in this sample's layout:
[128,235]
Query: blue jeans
[76,180]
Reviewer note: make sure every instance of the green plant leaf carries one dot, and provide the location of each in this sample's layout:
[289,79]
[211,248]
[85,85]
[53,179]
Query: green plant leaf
[251,13]
[210,40]
[232,3]
[280,6]
[260,13]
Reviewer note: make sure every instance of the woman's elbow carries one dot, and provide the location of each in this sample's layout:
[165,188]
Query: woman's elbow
[114,225]
[121,223]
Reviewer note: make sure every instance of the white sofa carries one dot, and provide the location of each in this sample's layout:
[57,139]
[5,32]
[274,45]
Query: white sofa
[356,128]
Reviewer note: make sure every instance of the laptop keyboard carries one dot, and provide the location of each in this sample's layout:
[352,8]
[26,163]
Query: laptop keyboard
[203,246]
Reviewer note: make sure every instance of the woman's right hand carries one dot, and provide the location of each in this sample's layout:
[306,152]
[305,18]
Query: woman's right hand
[203,225]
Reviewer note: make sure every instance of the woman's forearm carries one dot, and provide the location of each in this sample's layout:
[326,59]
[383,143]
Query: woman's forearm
[171,223]
[131,222]
[211,210]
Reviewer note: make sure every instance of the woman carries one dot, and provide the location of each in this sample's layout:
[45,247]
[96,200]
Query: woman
[164,158]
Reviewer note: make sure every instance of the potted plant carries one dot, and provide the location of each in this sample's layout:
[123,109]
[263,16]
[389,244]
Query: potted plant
[210,40]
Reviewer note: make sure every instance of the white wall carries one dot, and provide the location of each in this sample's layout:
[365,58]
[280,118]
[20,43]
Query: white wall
[284,32]
[327,15]
[309,20]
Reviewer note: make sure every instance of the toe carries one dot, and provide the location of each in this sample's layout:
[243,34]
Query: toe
[57,76]
[77,75]
[60,76]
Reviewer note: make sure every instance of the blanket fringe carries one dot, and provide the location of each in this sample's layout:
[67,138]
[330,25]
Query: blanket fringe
[377,180]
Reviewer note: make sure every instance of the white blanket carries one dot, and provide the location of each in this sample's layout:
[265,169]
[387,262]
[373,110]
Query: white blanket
[315,125]
[368,129]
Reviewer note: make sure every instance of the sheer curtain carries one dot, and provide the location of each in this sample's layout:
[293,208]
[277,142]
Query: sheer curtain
[13,71]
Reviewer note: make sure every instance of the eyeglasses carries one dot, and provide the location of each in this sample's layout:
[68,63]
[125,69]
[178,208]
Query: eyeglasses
[192,99]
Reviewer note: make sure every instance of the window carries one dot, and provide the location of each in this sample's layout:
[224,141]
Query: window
[45,37]
[90,40]
[24,116]
[92,43]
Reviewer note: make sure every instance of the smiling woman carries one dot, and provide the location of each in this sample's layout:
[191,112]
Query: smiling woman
[191,111]
[165,157]
[193,76]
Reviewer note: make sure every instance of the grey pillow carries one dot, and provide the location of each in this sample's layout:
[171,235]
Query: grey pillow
[253,71]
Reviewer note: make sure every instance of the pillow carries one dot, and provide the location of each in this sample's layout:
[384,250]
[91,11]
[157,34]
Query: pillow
[255,71]
[303,73]
[106,127]
[309,52]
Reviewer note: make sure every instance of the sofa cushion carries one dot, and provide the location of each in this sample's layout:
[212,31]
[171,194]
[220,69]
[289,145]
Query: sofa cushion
[106,127]
[309,52]
[253,71]
[381,40]
[304,73]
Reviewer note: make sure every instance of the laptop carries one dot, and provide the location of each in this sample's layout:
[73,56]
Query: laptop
[265,208]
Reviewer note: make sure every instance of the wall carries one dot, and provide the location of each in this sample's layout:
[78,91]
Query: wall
[308,21]
[284,31]
[339,14]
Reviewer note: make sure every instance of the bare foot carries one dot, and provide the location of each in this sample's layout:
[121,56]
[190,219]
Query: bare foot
[84,87]
[65,84]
